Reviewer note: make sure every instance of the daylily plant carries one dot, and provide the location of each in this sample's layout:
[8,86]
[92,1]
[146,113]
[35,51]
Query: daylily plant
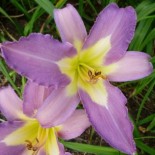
[23,134]
[82,67]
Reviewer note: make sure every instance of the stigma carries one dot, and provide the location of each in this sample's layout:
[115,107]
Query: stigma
[93,78]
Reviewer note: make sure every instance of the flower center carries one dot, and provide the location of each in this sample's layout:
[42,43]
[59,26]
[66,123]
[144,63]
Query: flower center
[86,67]
[89,74]
[88,71]
[39,141]
[35,138]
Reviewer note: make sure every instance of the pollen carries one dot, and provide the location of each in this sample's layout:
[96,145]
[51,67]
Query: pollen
[93,78]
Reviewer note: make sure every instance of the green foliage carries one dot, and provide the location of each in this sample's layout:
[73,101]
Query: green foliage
[8,77]
[46,5]
[21,17]
[29,26]
[98,150]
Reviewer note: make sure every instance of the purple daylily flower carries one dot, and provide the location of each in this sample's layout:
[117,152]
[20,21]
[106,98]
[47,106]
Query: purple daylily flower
[82,67]
[23,134]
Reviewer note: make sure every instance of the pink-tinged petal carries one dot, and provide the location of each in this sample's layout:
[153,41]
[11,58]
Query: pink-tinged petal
[10,104]
[41,152]
[34,96]
[57,108]
[74,126]
[133,66]
[11,150]
[5,129]
[119,24]
[62,150]
[67,153]
[35,57]
[70,24]
[111,121]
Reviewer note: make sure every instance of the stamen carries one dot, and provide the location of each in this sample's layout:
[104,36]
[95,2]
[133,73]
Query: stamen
[29,144]
[97,73]
[90,74]
[32,147]
[94,77]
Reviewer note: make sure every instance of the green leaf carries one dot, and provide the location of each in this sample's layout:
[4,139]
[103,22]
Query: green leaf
[46,5]
[142,84]
[6,74]
[60,3]
[150,37]
[140,34]
[29,26]
[145,8]
[146,120]
[6,15]
[150,48]
[145,148]
[92,6]
[20,7]
[151,125]
[147,17]
[152,84]
[23,84]
[111,1]
[81,10]
[92,148]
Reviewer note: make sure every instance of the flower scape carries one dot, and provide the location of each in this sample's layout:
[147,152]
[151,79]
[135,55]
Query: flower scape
[80,68]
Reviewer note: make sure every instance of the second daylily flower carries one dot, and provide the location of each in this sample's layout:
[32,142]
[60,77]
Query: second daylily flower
[23,134]
[83,66]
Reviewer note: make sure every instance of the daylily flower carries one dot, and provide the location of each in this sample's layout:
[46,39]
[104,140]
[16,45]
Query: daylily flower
[23,134]
[83,66]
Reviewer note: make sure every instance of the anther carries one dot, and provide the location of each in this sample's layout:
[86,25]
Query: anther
[29,144]
[32,147]
[94,78]
[97,73]
[90,74]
